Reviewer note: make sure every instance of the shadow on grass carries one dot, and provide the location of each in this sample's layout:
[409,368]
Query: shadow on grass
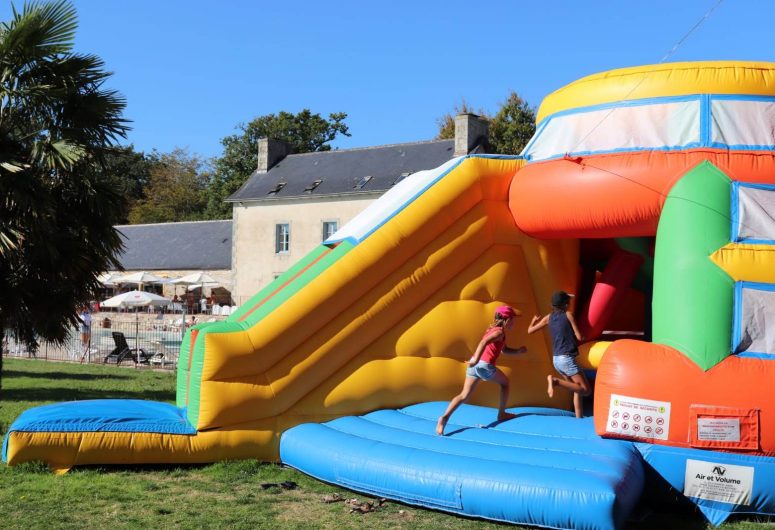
[63,375]
[70,394]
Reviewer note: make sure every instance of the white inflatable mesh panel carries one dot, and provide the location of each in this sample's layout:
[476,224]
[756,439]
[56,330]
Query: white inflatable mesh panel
[757,323]
[642,126]
[744,123]
[756,212]
[390,203]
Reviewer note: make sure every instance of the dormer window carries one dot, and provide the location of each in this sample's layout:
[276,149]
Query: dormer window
[277,188]
[401,177]
[311,187]
[362,182]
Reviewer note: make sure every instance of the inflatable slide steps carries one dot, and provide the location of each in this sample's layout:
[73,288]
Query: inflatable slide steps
[544,468]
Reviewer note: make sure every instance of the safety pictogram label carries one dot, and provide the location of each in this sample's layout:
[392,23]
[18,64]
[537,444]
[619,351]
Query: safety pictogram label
[639,418]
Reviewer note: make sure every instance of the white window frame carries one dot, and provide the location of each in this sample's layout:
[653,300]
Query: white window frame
[328,233]
[282,238]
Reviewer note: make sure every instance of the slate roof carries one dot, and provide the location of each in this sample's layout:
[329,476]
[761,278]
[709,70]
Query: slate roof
[341,170]
[195,245]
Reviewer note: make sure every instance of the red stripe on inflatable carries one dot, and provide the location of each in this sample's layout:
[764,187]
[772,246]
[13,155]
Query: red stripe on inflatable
[194,333]
[281,287]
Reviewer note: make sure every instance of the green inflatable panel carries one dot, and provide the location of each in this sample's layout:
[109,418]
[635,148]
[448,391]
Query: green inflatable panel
[693,298]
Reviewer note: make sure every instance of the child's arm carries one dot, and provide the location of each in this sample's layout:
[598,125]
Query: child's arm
[537,323]
[574,326]
[514,351]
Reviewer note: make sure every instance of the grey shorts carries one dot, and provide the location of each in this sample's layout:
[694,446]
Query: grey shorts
[566,365]
[481,370]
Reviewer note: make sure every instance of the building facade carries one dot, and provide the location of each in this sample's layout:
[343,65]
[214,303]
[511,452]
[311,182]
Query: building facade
[293,202]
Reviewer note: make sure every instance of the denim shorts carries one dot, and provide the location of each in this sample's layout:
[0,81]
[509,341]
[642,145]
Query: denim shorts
[481,370]
[566,365]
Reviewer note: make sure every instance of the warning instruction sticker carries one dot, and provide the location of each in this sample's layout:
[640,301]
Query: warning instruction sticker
[718,482]
[718,429]
[639,418]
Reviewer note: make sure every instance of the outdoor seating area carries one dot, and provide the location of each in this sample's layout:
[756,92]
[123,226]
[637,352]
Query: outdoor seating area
[127,338]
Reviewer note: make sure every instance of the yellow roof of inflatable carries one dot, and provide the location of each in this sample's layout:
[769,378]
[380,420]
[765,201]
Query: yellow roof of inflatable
[661,80]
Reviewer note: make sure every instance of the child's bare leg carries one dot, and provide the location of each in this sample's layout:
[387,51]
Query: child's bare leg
[468,386]
[503,381]
[552,382]
[577,405]
[576,383]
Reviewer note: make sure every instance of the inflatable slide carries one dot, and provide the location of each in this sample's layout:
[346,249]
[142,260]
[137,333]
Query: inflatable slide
[649,192]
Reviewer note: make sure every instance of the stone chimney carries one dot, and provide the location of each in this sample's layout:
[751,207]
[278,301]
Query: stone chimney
[470,132]
[270,152]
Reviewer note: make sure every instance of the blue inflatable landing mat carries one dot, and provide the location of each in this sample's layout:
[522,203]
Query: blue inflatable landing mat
[543,468]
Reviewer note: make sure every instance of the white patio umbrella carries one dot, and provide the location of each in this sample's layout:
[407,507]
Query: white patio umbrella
[136,299]
[139,278]
[107,278]
[196,278]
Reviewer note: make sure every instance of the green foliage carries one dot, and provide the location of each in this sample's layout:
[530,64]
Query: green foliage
[511,128]
[129,172]
[176,190]
[304,132]
[57,211]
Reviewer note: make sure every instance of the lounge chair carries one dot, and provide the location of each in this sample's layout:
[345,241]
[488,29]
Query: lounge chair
[163,356]
[122,351]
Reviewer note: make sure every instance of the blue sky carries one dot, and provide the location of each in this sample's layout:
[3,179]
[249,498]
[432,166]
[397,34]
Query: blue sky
[192,70]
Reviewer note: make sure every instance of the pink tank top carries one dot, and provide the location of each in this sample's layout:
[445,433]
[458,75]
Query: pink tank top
[493,349]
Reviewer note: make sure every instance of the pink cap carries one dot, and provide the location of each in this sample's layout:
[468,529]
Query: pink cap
[507,311]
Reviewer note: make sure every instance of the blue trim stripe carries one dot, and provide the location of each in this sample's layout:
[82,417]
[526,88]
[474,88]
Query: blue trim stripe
[737,317]
[737,322]
[734,189]
[770,187]
[705,120]
[693,145]
[741,97]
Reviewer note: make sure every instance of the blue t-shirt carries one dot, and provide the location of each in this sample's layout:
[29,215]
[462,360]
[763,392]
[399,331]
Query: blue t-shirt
[563,338]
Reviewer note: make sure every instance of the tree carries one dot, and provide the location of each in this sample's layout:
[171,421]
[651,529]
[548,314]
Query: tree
[57,209]
[511,128]
[175,191]
[129,171]
[305,132]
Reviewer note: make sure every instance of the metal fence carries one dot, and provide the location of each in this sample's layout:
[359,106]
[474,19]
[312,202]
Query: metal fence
[158,341]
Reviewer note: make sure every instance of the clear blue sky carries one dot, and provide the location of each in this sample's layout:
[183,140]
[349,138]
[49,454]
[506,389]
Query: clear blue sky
[192,70]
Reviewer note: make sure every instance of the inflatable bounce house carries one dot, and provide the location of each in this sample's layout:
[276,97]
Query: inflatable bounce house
[649,192]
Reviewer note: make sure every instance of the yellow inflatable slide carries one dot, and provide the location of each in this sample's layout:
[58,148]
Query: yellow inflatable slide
[383,315]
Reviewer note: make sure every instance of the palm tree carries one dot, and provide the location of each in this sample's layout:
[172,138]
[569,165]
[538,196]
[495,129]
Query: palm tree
[57,209]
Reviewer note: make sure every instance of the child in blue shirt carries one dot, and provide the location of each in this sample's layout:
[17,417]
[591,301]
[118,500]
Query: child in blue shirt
[565,337]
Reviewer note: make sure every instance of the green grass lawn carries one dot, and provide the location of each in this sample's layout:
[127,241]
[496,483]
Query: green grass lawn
[223,495]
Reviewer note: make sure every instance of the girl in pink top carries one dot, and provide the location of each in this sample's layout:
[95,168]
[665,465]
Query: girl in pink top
[481,367]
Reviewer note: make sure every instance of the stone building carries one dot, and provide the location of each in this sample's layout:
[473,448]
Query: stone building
[293,202]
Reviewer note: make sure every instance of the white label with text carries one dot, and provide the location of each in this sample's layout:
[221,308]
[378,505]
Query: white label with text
[718,429]
[718,482]
[639,418]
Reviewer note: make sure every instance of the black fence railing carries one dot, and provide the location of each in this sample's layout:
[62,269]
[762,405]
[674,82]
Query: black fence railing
[154,342]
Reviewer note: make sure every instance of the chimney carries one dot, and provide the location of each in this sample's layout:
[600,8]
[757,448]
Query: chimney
[470,132]
[270,152]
